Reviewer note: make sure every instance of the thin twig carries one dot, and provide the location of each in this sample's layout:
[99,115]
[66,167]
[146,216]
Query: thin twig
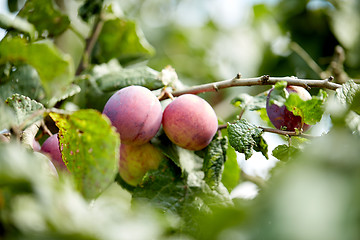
[263,80]
[307,58]
[277,131]
[90,43]
[286,133]
[260,182]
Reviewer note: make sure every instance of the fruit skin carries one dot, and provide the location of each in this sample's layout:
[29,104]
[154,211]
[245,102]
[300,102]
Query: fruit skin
[136,160]
[51,148]
[36,145]
[282,118]
[136,113]
[190,122]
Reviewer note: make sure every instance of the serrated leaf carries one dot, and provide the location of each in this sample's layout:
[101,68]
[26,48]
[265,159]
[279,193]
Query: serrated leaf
[24,107]
[285,153]
[231,174]
[245,137]
[90,8]
[67,92]
[349,94]
[121,39]
[310,111]
[6,117]
[48,19]
[22,79]
[143,76]
[346,93]
[90,149]
[168,191]
[214,160]
[54,68]
[255,103]
[10,23]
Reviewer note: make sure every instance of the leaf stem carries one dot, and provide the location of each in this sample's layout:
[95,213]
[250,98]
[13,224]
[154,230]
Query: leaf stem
[263,80]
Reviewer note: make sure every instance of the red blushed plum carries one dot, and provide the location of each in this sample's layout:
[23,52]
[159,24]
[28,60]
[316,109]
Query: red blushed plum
[282,118]
[136,113]
[51,148]
[190,122]
[136,160]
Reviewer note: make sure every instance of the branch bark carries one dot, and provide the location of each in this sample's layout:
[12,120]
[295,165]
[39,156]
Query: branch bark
[263,80]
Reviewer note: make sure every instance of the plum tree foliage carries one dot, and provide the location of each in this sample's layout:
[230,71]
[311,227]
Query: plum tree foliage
[155,153]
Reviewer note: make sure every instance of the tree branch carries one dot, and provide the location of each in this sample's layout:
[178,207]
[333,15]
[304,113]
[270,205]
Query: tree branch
[263,80]
[90,43]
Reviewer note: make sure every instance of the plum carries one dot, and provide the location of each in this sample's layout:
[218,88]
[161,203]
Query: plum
[190,122]
[136,113]
[51,148]
[36,145]
[281,117]
[136,160]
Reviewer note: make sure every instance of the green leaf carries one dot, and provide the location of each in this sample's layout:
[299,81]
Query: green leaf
[123,40]
[68,91]
[349,94]
[310,111]
[90,149]
[231,174]
[90,8]
[48,19]
[279,94]
[246,137]
[285,153]
[9,23]
[255,103]
[54,68]
[143,76]
[22,79]
[214,160]
[24,107]
[168,191]
[6,117]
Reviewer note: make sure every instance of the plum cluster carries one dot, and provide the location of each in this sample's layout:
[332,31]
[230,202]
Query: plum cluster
[188,121]
[136,113]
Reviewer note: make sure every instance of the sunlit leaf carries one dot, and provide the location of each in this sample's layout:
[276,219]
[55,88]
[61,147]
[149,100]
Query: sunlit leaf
[310,111]
[245,137]
[10,23]
[90,149]
[123,40]
[24,107]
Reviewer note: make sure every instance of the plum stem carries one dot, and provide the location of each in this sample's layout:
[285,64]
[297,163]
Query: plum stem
[237,81]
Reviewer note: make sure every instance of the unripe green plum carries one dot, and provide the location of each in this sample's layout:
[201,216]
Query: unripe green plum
[136,113]
[51,148]
[190,122]
[281,117]
[136,160]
